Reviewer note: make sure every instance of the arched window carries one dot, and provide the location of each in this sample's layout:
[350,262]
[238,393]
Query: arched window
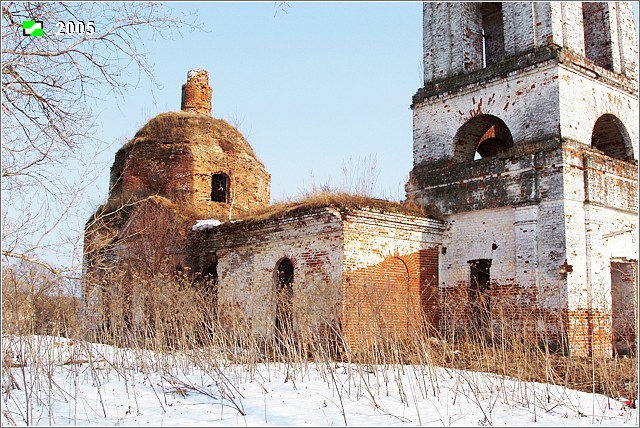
[481,137]
[283,296]
[220,187]
[610,137]
[492,33]
[284,273]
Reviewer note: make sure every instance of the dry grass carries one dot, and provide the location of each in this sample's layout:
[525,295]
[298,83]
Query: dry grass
[194,128]
[35,301]
[342,201]
[176,318]
[106,224]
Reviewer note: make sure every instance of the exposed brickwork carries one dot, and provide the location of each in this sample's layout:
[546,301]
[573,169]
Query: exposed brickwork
[396,298]
[555,201]
[175,155]
[624,305]
[589,331]
[248,256]
[354,271]
[391,276]
[540,235]
[453,40]
[196,93]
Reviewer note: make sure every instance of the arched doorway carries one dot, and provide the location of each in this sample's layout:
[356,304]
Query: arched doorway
[610,137]
[284,277]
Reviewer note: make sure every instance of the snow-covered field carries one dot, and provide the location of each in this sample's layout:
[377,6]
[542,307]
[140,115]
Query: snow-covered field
[63,382]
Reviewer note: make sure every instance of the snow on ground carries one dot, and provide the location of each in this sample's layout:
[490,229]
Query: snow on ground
[64,382]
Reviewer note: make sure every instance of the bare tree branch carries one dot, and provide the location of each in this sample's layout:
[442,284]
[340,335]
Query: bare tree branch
[49,85]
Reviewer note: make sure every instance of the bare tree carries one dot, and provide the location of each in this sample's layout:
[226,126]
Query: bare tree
[50,86]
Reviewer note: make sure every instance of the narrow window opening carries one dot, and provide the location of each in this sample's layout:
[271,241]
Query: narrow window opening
[207,285]
[623,310]
[479,295]
[492,33]
[484,49]
[210,280]
[220,188]
[284,294]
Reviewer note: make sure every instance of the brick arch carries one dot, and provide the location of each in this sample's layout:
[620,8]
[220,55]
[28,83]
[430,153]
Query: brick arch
[368,313]
[393,300]
[485,135]
[610,136]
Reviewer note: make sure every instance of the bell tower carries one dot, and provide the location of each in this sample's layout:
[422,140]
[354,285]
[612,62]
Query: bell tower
[526,138]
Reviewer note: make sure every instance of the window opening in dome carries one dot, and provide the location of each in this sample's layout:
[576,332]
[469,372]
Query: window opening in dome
[220,188]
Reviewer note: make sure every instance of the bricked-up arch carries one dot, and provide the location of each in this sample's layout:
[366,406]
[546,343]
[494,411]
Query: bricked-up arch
[483,136]
[393,307]
[610,137]
[597,33]
[220,184]
[380,303]
[492,32]
[284,277]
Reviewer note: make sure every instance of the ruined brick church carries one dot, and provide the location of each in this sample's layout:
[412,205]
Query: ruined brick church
[525,142]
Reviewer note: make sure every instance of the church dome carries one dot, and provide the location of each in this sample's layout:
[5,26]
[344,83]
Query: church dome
[192,158]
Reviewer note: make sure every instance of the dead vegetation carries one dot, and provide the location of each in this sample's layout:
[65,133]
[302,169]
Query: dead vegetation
[342,201]
[172,313]
[194,128]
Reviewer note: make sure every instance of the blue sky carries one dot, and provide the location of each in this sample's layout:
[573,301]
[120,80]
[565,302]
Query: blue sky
[313,87]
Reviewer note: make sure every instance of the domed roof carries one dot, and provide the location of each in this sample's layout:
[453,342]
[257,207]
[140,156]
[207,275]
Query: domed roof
[194,129]
[193,159]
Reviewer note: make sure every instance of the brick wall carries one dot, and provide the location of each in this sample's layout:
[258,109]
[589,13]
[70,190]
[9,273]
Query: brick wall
[534,219]
[551,211]
[583,100]
[511,238]
[512,99]
[371,274]
[602,31]
[248,255]
[539,94]
[390,277]
[601,226]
